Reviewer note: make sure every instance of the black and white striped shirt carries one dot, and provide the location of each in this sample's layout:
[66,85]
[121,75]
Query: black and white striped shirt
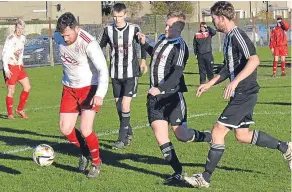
[237,49]
[168,60]
[123,60]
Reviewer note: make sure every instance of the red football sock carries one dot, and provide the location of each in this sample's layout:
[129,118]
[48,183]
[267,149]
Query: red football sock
[93,145]
[275,64]
[283,66]
[72,138]
[22,100]
[9,105]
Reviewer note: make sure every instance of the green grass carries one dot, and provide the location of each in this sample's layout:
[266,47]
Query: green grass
[141,166]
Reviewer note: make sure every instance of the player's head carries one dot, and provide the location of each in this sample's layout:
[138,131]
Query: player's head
[203,26]
[67,26]
[120,14]
[19,27]
[222,15]
[175,23]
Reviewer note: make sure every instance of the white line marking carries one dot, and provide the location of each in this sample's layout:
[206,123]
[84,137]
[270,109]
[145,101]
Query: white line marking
[104,133]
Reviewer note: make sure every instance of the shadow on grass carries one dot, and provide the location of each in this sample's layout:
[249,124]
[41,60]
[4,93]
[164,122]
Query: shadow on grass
[275,103]
[109,157]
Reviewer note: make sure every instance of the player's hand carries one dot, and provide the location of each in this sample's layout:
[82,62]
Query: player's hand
[202,88]
[230,89]
[154,91]
[8,74]
[141,37]
[143,66]
[96,101]
[272,50]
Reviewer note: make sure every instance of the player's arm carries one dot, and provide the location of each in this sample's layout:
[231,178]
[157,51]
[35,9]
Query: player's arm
[6,53]
[247,49]
[222,75]
[147,47]
[211,31]
[272,39]
[180,58]
[103,38]
[285,25]
[195,45]
[21,54]
[95,54]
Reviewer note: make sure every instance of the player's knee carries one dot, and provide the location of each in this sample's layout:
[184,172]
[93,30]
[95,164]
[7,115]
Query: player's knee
[241,137]
[27,88]
[125,106]
[11,91]
[65,130]
[218,132]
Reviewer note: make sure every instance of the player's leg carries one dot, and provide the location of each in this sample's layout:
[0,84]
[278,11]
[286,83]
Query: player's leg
[10,100]
[86,126]
[202,180]
[209,61]
[69,112]
[11,82]
[24,81]
[262,139]
[178,121]
[128,90]
[159,123]
[118,95]
[202,69]
[284,53]
[275,62]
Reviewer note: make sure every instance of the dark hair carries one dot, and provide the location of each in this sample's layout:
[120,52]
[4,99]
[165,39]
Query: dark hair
[118,7]
[66,20]
[223,8]
[279,18]
[203,23]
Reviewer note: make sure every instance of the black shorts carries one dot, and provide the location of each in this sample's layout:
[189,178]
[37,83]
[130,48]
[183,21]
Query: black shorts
[238,113]
[171,108]
[125,87]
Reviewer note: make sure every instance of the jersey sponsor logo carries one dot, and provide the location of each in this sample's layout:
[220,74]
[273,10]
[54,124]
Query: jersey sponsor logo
[68,59]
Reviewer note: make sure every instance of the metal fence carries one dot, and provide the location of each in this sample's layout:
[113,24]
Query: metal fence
[37,50]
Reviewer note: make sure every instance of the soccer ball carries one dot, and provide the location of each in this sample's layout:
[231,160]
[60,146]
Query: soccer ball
[43,155]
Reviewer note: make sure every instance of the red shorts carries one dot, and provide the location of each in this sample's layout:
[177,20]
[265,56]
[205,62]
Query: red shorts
[76,99]
[281,51]
[18,73]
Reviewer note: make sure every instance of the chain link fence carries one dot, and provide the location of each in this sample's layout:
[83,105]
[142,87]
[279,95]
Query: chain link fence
[37,50]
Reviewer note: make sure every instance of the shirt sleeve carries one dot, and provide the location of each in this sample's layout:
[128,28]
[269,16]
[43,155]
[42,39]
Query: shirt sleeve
[143,51]
[103,38]
[285,25]
[6,53]
[243,44]
[211,31]
[95,54]
[272,39]
[179,62]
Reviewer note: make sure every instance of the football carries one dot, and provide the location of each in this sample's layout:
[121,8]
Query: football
[43,155]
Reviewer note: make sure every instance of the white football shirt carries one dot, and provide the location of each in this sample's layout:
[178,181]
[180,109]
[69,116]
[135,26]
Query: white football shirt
[12,53]
[84,64]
